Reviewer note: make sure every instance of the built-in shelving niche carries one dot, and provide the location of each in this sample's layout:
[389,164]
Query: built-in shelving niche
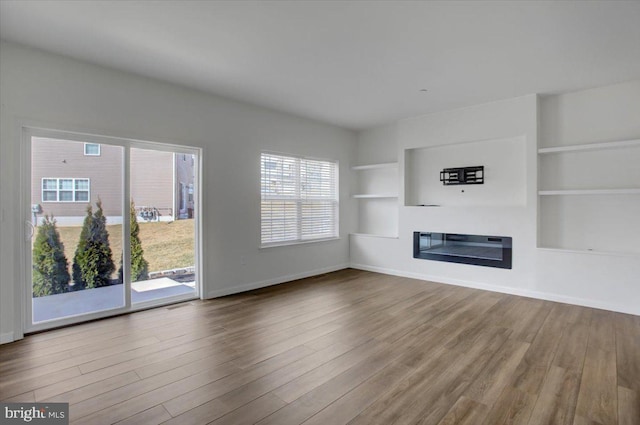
[589,197]
[376,190]
[504,174]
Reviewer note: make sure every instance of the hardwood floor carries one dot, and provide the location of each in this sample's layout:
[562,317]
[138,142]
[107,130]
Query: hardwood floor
[350,347]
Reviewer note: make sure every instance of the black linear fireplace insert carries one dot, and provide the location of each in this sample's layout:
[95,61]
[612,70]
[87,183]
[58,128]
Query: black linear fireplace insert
[479,250]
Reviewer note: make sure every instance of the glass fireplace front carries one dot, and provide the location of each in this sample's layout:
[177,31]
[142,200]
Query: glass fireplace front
[480,250]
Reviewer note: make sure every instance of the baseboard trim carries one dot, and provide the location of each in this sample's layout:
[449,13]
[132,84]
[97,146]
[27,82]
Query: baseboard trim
[275,281]
[6,337]
[547,296]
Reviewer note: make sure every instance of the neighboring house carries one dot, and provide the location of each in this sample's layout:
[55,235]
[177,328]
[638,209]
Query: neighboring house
[67,176]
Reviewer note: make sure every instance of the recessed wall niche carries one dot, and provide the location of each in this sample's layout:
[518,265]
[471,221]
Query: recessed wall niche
[504,174]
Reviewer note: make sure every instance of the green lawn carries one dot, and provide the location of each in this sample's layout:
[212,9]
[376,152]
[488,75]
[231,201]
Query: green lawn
[167,245]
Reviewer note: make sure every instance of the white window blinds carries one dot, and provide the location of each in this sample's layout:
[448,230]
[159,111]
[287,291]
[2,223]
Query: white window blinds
[299,199]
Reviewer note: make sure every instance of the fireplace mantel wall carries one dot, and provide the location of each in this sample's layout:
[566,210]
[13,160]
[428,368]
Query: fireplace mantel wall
[602,281]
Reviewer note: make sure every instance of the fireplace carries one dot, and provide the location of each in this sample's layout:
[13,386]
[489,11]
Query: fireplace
[479,250]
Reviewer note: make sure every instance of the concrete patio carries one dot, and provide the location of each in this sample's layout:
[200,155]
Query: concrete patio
[105,298]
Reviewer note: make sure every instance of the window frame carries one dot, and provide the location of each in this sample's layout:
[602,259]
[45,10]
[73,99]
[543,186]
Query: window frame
[58,189]
[299,200]
[92,154]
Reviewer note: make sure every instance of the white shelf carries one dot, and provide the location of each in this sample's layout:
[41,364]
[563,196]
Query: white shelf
[374,166]
[586,251]
[374,196]
[591,146]
[628,191]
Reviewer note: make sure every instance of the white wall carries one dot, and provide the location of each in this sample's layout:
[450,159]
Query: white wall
[65,94]
[377,145]
[602,114]
[604,281]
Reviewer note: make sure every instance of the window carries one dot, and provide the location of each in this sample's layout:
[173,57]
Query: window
[65,190]
[299,199]
[91,149]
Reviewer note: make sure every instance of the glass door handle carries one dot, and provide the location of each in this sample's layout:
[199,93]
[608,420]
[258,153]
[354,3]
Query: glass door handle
[30,229]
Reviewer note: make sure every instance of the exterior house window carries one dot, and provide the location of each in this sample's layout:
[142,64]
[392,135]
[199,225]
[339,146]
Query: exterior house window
[299,199]
[91,149]
[65,190]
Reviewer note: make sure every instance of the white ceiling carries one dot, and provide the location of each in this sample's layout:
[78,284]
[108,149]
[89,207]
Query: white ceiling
[354,64]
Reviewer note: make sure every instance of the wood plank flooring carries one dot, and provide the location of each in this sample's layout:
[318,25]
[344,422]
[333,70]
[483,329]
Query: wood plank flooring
[349,347]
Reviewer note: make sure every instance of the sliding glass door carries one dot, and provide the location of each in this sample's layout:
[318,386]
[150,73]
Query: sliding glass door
[76,215]
[113,226]
[163,234]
